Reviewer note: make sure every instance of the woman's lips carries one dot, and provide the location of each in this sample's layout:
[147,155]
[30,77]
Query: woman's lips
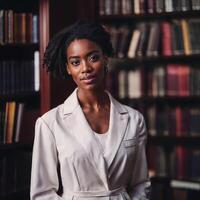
[89,79]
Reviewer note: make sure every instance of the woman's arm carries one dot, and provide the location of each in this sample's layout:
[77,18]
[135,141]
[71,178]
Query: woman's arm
[44,177]
[139,187]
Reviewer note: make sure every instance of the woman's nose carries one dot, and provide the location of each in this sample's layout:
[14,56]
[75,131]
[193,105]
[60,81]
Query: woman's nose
[86,66]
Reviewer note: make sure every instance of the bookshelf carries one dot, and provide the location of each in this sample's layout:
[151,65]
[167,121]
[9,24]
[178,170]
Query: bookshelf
[32,95]
[146,77]
[19,94]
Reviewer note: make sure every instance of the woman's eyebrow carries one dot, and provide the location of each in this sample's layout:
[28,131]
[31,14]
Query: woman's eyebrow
[72,57]
[94,51]
[88,54]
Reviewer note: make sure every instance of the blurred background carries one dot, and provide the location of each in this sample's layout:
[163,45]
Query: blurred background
[155,69]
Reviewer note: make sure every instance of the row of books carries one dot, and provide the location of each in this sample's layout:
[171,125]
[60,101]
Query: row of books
[174,80]
[171,80]
[178,37]
[180,163]
[18,27]
[11,114]
[15,172]
[129,7]
[18,77]
[173,121]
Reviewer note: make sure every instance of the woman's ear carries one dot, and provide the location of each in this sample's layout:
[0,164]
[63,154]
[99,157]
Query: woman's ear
[67,67]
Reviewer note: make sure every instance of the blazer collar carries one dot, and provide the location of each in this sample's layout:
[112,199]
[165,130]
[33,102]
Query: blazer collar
[71,103]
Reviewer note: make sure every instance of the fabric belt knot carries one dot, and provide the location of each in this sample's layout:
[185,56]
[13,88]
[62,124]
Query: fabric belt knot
[104,193]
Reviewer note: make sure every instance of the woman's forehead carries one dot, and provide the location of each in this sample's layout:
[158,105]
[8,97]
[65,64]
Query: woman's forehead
[81,46]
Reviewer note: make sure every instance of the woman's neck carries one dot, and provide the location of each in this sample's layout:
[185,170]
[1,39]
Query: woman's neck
[93,100]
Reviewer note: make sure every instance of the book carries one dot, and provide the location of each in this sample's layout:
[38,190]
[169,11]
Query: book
[29,28]
[35,33]
[102,7]
[185,184]
[151,6]
[2,27]
[134,84]
[172,79]
[151,117]
[117,7]
[154,40]
[11,110]
[186,37]
[18,126]
[169,5]
[137,7]
[36,81]
[183,80]
[177,38]
[194,31]
[10,26]
[108,7]
[122,80]
[126,7]
[160,6]
[124,41]
[134,43]
[166,39]
[143,42]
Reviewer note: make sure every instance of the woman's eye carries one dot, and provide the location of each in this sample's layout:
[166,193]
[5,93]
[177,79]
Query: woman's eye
[75,62]
[94,58]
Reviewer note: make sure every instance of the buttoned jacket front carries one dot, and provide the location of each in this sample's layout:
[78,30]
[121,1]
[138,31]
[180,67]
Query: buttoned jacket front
[64,138]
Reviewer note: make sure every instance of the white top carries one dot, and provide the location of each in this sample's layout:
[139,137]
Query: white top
[102,140]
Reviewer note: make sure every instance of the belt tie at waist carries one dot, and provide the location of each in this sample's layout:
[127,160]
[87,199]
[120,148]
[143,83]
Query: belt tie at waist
[103,193]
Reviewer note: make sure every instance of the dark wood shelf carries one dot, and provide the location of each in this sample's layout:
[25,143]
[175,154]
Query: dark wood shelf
[188,141]
[149,17]
[18,51]
[20,194]
[129,63]
[15,146]
[187,184]
[163,100]
[20,6]
[24,96]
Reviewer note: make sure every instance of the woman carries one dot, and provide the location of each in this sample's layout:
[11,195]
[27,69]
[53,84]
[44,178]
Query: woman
[98,143]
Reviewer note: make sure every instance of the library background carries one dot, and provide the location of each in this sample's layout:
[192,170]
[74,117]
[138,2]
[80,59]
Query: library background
[156,69]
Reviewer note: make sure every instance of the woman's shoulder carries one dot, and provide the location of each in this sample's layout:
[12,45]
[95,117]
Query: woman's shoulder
[134,113]
[50,116]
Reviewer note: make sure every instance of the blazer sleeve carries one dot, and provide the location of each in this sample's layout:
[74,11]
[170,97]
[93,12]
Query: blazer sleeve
[44,177]
[139,187]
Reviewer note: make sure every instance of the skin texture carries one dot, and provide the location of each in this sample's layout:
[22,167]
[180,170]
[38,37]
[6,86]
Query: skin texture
[86,64]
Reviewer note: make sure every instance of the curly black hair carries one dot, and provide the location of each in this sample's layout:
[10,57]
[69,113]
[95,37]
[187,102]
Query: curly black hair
[55,57]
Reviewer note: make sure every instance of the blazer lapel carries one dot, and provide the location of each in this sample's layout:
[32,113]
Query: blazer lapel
[84,135]
[119,118]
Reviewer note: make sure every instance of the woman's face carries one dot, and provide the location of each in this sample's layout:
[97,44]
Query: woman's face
[86,64]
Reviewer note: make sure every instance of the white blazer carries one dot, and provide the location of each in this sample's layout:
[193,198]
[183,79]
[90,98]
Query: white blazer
[63,136]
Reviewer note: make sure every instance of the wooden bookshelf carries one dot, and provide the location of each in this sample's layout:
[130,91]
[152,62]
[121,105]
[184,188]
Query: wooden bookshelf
[15,158]
[21,194]
[52,17]
[149,17]
[15,147]
[149,61]
[188,141]
[162,186]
